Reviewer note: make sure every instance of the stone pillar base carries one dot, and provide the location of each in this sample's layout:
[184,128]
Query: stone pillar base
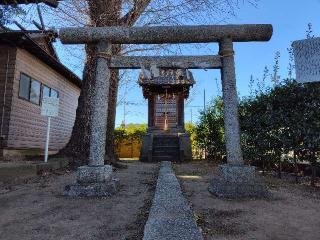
[93,181]
[237,182]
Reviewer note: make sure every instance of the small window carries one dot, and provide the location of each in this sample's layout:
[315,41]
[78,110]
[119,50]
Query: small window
[24,88]
[35,92]
[45,91]
[54,93]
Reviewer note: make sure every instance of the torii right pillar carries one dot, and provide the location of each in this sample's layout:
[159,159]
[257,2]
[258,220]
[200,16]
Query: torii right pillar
[234,179]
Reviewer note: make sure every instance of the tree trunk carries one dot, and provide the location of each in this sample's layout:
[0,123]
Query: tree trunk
[78,145]
[102,13]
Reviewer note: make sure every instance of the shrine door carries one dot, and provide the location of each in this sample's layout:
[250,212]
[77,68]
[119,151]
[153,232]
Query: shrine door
[166,111]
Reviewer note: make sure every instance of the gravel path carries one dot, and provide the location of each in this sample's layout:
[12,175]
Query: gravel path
[170,216]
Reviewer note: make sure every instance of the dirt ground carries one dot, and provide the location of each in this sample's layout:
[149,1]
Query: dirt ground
[293,212]
[37,209]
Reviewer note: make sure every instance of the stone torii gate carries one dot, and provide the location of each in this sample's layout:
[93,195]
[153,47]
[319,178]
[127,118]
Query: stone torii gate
[235,179]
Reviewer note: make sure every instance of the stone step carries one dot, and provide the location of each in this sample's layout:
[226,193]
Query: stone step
[166,138]
[166,148]
[166,135]
[166,144]
[174,140]
[171,150]
[160,154]
[171,137]
[164,158]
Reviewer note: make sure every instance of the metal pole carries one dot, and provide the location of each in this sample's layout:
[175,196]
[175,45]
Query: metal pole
[124,105]
[204,109]
[204,100]
[47,140]
[124,113]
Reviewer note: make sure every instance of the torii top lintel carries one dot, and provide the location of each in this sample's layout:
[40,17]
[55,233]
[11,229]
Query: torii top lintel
[167,34]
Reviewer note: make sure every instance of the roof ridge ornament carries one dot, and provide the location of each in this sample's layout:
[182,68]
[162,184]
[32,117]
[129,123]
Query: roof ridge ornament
[155,72]
[146,74]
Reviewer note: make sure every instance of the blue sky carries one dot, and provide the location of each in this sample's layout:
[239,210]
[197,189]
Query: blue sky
[289,19]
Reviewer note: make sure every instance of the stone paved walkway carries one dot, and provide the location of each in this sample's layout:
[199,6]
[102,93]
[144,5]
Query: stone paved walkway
[170,215]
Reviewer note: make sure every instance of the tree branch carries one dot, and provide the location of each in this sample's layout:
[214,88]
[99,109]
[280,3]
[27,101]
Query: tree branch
[132,16]
[51,3]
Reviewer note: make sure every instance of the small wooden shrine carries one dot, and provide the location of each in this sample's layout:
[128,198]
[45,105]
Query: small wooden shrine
[166,91]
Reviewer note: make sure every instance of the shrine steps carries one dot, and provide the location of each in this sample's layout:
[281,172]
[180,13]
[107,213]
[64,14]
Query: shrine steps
[165,148]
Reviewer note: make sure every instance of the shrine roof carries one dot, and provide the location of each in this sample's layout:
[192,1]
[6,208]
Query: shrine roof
[160,77]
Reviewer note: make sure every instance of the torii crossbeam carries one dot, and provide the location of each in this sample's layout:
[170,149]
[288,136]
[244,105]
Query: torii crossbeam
[167,34]
[236,179]
[174,62]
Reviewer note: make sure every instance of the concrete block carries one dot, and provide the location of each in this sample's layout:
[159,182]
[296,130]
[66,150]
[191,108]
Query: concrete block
[237,182]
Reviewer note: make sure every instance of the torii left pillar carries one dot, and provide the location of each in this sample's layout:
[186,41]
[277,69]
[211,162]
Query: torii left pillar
[95,179]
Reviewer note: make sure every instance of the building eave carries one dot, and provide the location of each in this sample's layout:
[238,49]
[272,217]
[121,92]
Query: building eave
[21,40]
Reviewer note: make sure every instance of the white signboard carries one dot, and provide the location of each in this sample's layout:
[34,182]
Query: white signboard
[307,60]
[50,106]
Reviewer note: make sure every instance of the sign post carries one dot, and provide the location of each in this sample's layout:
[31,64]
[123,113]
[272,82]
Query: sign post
[49,108]
[47,140]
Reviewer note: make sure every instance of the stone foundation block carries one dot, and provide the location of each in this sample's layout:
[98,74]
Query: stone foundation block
[234,173]
[105,189]
[94,174]
[237,182]
[185,147]
[93,181]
